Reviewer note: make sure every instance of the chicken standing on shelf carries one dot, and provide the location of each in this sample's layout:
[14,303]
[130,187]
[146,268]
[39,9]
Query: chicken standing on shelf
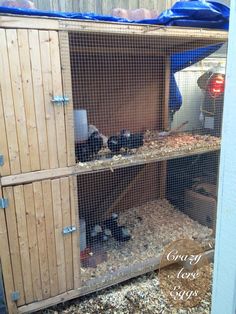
[95,142]
[114,144]
[126,140]
[131,140]
[82,152]
[86,151]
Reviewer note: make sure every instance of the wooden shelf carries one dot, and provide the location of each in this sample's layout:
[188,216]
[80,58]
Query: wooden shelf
[140,159]
[106,164]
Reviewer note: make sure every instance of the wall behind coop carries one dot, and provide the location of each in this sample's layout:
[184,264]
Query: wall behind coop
[101,6]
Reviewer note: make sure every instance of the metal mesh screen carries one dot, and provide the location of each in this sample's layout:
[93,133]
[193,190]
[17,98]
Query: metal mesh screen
[146,143]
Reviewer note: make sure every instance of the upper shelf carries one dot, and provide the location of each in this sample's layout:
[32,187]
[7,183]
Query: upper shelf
[139,37]
[164,148]
[168,148]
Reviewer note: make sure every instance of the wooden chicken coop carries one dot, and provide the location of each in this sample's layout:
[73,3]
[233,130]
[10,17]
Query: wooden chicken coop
[119,74]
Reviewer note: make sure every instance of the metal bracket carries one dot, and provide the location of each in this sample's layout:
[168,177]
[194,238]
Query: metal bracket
[4,203]
[60,100]
[69,229]
[15,296]
[1,160]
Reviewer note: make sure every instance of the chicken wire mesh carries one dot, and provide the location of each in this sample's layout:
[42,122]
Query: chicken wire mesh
[146,142]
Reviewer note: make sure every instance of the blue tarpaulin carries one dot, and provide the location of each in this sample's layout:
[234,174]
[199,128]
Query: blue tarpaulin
[192,13]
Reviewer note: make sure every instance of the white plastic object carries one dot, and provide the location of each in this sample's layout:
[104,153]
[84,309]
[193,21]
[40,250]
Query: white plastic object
[82,227]
[81,125]
[201,117]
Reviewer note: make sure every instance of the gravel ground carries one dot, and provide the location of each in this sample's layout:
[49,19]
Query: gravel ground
[141,295]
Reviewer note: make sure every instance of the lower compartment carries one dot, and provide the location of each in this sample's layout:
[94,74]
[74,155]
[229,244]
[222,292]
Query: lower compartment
[75,235]
[152,226]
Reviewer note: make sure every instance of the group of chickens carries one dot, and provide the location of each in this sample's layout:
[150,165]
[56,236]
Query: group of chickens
[109,228]
[126,140]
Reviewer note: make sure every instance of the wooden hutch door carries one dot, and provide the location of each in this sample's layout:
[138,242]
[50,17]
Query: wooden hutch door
[36,126]
[43,248]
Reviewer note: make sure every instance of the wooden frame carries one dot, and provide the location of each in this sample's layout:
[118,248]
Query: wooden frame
[40,264]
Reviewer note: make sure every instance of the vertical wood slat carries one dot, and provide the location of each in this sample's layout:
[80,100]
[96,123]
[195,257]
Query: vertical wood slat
[33,242]
[8,106]
[66,218]
[48,92]
[107,6]
[75,235]
[51,244]
[5,169]
[58,225]
[23,242]
[38,97]
[165,123]
[42,242]
[14,244]
[6,262]
[27,87]
[57,91]
[18,99]
[55,5]
[67,88]
[66,6]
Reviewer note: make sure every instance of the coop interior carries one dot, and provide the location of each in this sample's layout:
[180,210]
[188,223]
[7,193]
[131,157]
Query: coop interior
[147,150]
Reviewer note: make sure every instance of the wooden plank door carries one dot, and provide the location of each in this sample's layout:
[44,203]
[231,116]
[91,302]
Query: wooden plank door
[34,130]
[45,262]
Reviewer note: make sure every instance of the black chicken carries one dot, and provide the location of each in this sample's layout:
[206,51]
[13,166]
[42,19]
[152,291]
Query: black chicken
[120,233]
[114,144]
[126,140]
[83,152]
[95,142]
[131,140]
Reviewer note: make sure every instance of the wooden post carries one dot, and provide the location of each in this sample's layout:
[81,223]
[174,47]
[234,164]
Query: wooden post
[164,124]
[6,262]
[224,281]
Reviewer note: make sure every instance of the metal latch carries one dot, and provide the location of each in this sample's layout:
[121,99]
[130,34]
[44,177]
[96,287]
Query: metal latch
[1,160]
[69,229]
[15,296]
[3,203]
[60,100]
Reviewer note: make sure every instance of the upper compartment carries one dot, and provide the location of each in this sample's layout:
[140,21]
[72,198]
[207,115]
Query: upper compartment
[39,57]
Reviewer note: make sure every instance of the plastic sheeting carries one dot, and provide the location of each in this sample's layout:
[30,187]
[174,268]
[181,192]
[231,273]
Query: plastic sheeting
[192,13]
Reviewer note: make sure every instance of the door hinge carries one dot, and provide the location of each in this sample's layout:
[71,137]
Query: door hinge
[69,229]
[60,100]
[1,160]
[15,296]
[4,203]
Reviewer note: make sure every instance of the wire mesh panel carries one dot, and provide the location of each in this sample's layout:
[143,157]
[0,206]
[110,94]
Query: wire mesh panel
[147,121]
